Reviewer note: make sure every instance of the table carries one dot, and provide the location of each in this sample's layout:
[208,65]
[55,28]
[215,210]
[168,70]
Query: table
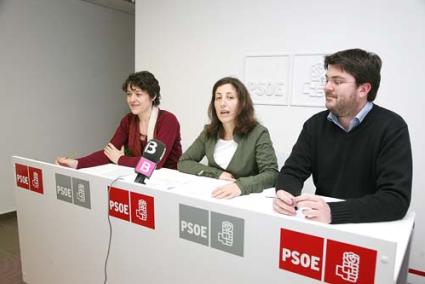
[171,231]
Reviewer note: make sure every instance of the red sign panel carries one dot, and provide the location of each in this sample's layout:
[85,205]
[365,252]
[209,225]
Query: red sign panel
[119,206]
[347,263]
[301,253]
[142,210]
[36,180]
[22,178]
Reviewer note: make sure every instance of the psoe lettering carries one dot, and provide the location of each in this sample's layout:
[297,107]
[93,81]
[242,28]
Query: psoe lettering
[193,229]
[22,179]
[302,259]
[64,191]
[118,207]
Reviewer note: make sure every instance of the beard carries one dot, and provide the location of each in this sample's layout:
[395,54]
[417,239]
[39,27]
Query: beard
[341,105]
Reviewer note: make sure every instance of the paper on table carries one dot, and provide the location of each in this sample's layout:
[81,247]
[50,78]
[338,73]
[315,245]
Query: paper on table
[110,171]
[169,179]
[201,187]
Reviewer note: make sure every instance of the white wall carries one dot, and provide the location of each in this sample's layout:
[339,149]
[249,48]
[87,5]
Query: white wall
[191,44]
[61,68]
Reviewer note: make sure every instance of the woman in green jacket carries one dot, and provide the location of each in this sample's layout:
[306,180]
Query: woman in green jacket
[237,147]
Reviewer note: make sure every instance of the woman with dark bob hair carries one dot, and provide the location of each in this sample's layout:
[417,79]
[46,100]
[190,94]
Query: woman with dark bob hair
[237,147]
[144,122]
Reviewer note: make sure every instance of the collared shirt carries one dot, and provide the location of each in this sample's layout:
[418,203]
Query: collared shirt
[355,121]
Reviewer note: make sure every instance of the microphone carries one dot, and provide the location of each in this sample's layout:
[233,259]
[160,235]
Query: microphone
[152,154]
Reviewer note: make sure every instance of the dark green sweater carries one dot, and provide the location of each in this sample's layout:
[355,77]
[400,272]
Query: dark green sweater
[254,163]
[370,167]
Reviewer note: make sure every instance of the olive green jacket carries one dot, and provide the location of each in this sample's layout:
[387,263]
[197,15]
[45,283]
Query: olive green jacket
[254,163]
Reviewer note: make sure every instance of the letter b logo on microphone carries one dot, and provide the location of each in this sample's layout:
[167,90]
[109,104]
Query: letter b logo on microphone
[145,167]
[154,150]
[152,154]
[151,147]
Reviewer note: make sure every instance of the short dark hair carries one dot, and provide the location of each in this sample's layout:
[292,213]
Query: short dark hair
[245,119]
[145,81]
[364,66]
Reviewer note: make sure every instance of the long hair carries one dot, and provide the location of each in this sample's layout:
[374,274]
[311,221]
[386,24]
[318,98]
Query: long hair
[245,118]
[134,143]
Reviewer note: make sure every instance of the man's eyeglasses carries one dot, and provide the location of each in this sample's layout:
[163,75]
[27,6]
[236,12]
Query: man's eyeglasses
[336,82]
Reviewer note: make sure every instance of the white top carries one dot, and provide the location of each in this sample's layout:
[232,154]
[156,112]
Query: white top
[224,151]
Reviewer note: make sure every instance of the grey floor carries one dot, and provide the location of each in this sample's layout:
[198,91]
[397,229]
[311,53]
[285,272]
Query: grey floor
[10,262]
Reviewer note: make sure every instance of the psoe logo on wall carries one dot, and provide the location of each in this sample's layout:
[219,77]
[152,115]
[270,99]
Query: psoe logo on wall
[132,207]
[29,178]
[342,263]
